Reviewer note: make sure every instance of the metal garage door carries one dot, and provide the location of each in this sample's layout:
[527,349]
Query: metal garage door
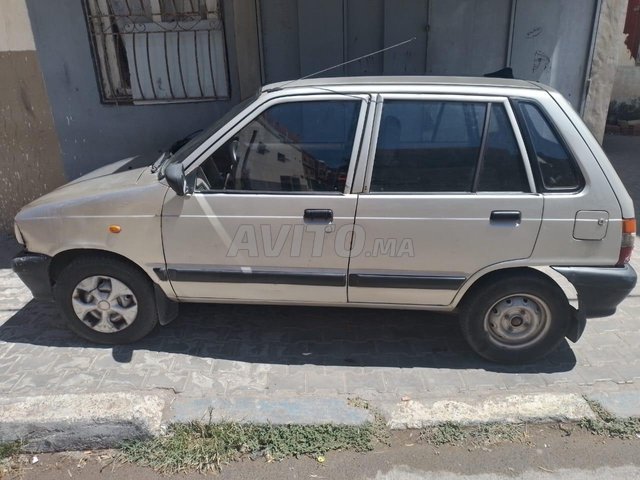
[545,40]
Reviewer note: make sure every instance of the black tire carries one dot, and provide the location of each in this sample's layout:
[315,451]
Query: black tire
[491,309]
[81,268]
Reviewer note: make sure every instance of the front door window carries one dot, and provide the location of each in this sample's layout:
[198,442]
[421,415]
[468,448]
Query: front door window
[291,147]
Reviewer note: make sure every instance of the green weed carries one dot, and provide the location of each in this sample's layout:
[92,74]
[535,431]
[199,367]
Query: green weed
[608,425]
[207,446]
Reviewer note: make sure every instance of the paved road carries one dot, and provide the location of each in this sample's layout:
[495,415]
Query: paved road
[282,351]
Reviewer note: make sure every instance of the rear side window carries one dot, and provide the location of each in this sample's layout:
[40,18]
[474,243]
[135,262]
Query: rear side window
[427,146]
[557,169]
[431,146]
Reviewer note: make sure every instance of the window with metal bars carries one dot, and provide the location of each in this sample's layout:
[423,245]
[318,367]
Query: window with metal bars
[158,51]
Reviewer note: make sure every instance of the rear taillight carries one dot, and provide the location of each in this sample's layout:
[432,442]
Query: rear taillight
[628,238]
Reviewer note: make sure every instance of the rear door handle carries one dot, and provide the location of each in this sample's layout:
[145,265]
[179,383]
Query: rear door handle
[505,216]
[318,214]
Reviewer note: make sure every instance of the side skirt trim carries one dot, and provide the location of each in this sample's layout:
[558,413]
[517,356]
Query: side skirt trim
[326,279]
[372,280]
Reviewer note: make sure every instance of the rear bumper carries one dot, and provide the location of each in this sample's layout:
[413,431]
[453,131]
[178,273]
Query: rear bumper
[33,270]
[600,289]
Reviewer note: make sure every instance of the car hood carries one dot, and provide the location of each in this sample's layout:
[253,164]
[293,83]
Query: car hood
[105,181]
[138,163]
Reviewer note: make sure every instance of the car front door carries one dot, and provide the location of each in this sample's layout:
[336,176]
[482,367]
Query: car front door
[272,209]
[447,192]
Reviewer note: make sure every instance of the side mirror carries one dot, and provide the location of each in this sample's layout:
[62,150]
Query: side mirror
[177,179]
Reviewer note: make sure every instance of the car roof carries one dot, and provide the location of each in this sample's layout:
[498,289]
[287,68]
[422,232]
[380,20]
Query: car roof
[426,80]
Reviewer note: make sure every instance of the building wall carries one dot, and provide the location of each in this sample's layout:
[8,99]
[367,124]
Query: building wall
[603,66]
[93,134]
[625,97]
[29,151]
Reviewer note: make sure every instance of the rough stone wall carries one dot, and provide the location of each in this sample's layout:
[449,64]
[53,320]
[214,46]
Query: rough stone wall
[604,64]
[30,162]
[625,98]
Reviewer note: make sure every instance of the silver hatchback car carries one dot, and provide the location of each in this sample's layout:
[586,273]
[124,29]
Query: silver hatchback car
[466,195]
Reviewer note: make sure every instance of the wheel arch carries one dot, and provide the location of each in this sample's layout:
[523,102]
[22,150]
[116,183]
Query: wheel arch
[545,273]
[60,260]
[167,308]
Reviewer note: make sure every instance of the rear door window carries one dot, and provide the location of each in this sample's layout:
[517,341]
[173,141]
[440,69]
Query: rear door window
[427,146]
[501,167]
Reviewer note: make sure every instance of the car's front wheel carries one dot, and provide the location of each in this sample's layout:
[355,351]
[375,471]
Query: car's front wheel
[515,319]
[106,300]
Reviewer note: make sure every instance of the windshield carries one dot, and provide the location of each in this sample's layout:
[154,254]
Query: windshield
[196,141]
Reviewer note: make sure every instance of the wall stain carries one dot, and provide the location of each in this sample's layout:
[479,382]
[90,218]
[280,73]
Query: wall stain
[67,75]
[534,32]
[541,62]
[26,103]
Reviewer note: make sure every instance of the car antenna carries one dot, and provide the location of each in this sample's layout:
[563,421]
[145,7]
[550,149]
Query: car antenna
[399,44]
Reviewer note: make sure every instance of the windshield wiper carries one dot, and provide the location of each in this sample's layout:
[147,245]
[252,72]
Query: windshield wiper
[175,146]
[158,163]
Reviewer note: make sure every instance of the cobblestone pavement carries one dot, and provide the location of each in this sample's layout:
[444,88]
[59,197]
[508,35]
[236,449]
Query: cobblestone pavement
[278,351]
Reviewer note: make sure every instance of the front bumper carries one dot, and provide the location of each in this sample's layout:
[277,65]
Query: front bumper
[33,270]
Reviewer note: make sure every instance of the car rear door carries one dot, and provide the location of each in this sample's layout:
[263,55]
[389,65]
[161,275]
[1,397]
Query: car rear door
[447,191]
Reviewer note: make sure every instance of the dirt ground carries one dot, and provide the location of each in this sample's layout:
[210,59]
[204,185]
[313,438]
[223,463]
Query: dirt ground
[546,451]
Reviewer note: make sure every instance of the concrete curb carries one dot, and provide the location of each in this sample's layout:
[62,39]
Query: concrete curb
[283,411]
[105,420]
[623,404]
[530,408]
[76,422]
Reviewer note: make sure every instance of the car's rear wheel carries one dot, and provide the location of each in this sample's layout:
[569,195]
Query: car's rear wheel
[106,300]
[515,319]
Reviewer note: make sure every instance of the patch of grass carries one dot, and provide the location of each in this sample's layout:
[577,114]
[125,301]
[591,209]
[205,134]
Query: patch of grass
[494,433]
[10,449]
[8,455]
[450,433]
[606,424]
[205,446]
[378,428]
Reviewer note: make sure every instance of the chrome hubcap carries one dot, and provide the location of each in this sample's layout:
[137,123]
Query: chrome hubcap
[104,304]
[517,321]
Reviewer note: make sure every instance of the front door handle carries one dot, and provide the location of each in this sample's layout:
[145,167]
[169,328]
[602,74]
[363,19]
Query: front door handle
[505,216]
[318,214]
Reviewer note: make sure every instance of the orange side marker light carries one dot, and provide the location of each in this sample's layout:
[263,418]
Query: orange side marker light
[115,228]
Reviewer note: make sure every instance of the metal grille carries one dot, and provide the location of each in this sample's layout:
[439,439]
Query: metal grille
[158,50]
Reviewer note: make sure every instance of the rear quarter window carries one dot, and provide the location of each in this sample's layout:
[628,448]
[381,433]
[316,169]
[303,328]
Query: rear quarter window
[555,168]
